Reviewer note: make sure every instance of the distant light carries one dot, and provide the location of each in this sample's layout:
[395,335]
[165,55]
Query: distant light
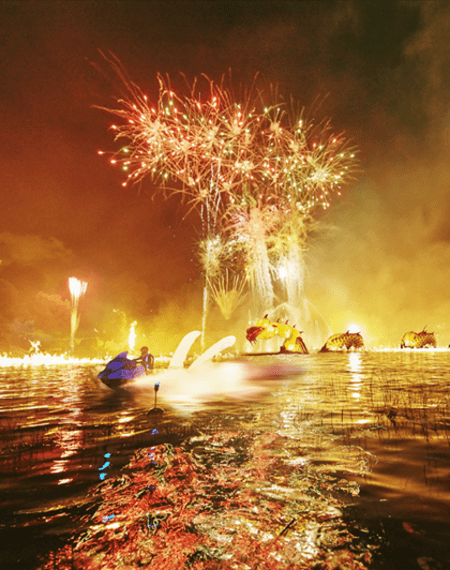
[354,329]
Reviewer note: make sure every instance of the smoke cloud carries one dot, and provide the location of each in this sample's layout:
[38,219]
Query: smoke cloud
[386,266]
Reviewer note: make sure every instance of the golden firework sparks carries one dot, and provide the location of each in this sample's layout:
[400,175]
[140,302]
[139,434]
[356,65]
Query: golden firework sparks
[228,293]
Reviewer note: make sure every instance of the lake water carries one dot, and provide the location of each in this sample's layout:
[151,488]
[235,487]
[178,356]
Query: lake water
[362,439]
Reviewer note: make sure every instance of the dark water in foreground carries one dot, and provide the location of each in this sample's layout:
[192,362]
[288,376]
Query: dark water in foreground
[365,435]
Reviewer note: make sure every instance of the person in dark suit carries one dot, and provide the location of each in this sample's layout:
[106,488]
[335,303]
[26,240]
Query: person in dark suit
[145,359]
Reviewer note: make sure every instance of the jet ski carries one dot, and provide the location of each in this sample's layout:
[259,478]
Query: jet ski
[120,370]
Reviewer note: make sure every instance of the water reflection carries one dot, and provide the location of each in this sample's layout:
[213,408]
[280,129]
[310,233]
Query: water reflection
[355,368]
[373,426]
[107,463]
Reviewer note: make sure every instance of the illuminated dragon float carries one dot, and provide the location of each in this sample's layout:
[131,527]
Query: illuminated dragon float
[343,341]
[266,329]
[422,339]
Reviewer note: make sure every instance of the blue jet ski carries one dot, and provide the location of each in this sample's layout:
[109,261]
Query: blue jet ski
[121,370]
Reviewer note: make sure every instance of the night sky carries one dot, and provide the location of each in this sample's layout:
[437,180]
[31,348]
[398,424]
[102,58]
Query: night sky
[379,69]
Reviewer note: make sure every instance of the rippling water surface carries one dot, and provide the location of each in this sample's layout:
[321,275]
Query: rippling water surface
[372,427]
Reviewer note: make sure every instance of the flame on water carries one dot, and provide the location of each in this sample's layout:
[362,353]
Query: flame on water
[44,359]
[38,358]
[132,337]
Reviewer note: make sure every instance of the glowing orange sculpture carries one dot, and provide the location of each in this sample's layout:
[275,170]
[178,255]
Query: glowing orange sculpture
[266,329]
[343,341]
[423,339]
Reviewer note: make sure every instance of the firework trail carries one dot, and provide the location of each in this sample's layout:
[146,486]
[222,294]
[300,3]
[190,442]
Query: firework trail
[77,289]
[211,247]
[250,228]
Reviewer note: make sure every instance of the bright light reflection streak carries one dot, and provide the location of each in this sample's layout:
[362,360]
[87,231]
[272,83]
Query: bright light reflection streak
[58,466]
[355,367]
[65,481]
[125,419]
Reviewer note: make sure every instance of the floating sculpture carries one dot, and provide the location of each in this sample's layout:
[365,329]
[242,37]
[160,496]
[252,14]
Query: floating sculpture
[423,339]
[266,329]
[343,341]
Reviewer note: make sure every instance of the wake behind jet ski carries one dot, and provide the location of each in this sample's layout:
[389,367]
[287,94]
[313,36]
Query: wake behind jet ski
[120,370]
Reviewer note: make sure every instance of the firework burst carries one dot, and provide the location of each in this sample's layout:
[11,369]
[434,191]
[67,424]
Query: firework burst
[258,175]
[186,140]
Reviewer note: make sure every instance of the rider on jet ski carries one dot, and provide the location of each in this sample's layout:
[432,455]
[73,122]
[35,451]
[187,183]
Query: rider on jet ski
[146,359]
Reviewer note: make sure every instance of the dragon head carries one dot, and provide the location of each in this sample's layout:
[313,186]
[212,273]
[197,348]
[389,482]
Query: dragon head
[252,333]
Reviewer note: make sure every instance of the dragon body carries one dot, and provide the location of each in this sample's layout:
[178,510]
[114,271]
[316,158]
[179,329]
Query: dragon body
[423,339]
[343,341]
[266,329]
